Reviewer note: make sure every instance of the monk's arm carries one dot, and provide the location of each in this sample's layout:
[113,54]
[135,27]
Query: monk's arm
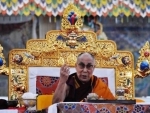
[60,92]
[62,88]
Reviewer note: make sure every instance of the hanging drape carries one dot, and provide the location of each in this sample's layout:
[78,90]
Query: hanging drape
[87,7]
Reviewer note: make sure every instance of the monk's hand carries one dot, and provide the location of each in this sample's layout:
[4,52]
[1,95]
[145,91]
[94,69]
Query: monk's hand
[64,73]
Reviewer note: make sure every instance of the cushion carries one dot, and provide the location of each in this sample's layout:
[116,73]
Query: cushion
[47,84]
[44,101]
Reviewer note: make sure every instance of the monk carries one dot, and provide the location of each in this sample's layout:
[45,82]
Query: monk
[76,87]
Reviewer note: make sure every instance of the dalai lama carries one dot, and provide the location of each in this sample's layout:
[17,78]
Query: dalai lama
[76,87]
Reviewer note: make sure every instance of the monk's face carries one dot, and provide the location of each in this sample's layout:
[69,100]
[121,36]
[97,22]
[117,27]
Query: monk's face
[85,67]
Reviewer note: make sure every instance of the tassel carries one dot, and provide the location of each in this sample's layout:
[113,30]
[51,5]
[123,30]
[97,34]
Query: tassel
[121,19]
[50,20]
[21,18]
[83,19]
[55,19]
[88,19]
[116,20]
[16,19]
[148,19]
[127,19]
[10,19]
[100,19]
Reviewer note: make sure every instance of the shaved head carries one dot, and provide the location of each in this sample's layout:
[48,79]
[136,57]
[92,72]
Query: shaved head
[85,66]
[85,54]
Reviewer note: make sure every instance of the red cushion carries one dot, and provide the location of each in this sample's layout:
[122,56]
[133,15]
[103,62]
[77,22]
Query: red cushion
[20,109]
[47,84]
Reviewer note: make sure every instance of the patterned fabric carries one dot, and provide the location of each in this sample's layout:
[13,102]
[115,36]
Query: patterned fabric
[102,108]
[48,84]
[35,111]
[87,7]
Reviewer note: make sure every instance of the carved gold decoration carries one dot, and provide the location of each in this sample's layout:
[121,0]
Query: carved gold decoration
[72,38]
[72,12]
[143,64]
[71,23]
[3,69]
[54,53]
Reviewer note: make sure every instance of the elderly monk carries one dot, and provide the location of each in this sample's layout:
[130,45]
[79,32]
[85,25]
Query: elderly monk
[76,87]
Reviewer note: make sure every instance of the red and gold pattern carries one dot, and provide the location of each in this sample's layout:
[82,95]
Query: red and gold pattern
[47,84]
[102,108]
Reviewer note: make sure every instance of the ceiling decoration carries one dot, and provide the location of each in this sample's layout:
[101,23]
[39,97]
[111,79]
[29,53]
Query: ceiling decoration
[138,8]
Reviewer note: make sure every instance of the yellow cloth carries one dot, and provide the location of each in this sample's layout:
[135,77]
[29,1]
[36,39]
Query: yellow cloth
[102,90]
[139,100]
[44,101]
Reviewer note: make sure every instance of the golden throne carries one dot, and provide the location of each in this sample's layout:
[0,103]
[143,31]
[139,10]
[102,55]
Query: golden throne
[63,46]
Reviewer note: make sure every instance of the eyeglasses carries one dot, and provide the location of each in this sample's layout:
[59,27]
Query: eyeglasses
[88,66]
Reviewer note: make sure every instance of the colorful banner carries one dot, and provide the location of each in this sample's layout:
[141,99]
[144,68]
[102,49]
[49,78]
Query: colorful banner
[88,7]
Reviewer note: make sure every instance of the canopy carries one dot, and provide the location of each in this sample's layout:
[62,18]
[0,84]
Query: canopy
[88,7]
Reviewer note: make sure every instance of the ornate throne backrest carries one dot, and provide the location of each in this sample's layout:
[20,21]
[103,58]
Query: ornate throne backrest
[63,46]
[44,80]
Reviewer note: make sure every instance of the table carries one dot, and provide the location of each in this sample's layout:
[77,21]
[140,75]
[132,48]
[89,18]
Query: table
[17,110]
[9,111]
[84,107]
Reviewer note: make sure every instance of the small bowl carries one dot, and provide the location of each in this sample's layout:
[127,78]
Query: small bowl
[92,96]
[28,102]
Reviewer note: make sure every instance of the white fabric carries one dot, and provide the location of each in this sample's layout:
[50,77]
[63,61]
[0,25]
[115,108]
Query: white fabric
[9,111]
[54,71]
[52,108]
[2,97]
[145,99]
